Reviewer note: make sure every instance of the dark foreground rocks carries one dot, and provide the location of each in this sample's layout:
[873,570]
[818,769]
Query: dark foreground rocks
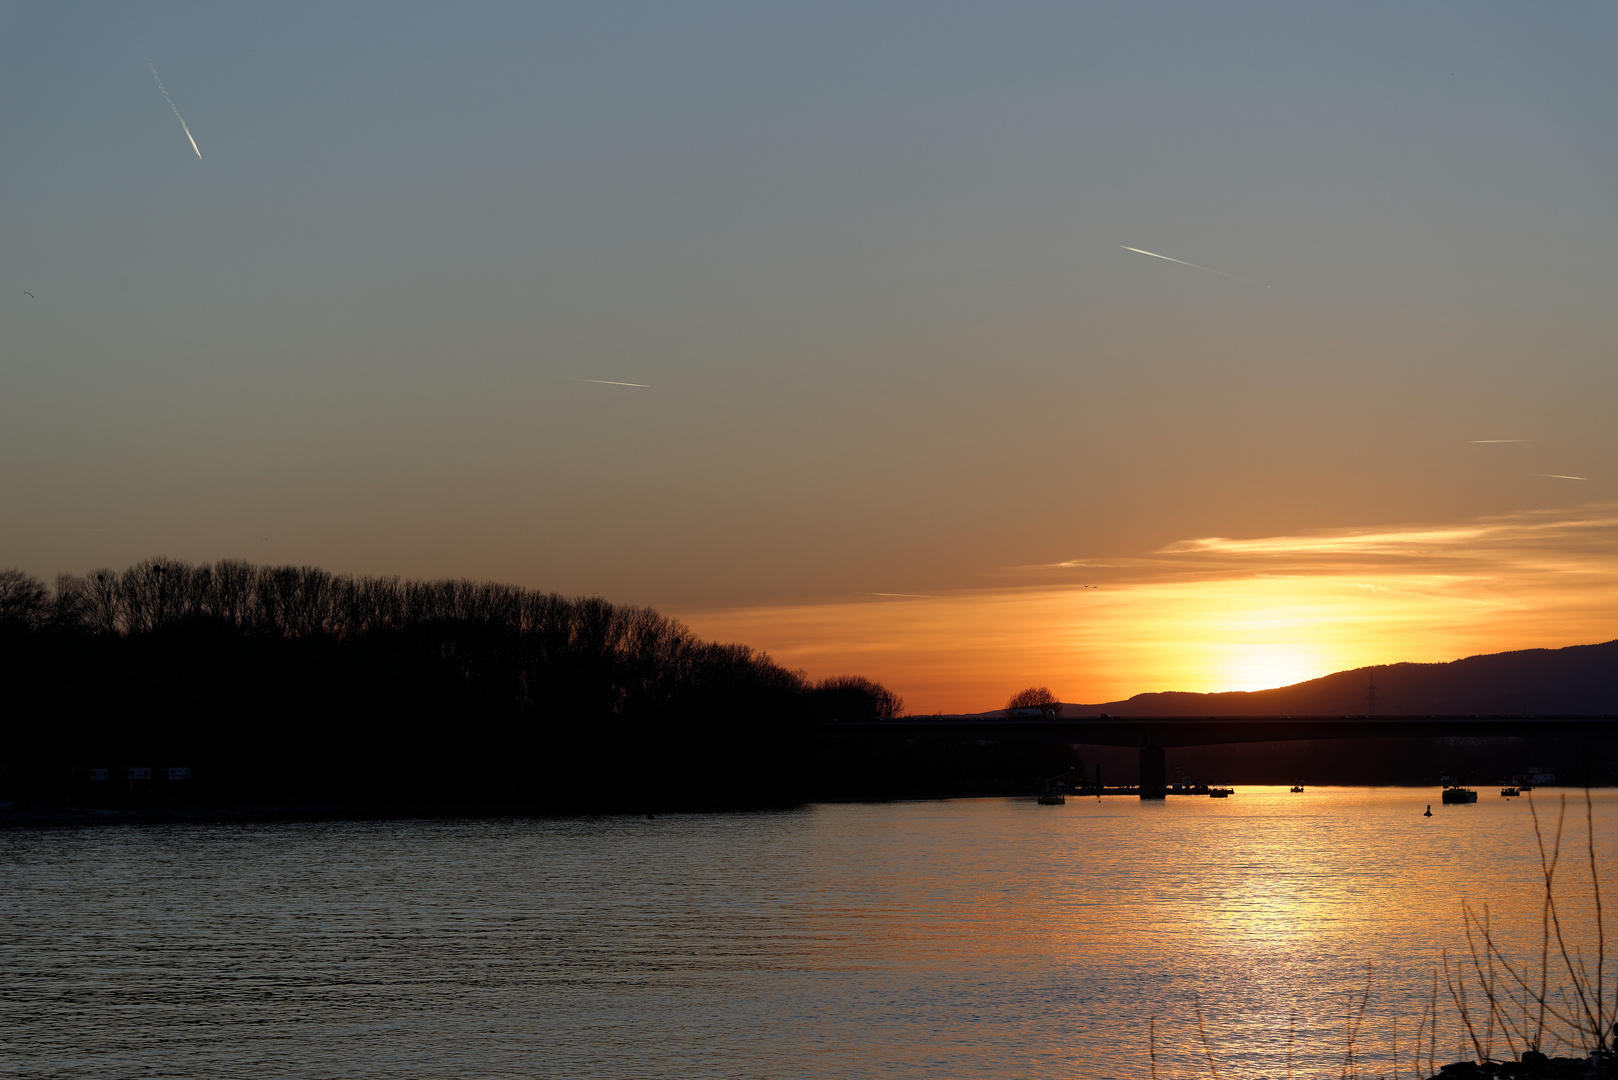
[1601,1064]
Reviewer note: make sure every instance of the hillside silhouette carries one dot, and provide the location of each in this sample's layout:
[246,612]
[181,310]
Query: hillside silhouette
[1580,680]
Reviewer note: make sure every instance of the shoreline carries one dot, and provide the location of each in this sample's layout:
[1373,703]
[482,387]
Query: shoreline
[39,816]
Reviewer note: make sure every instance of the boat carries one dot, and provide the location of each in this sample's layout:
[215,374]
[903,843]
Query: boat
[1297,789]
[1458,794]
[1220,792]
[1508,792]
[1053,792]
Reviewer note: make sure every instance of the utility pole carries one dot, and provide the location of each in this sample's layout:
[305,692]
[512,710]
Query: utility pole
[1370,695]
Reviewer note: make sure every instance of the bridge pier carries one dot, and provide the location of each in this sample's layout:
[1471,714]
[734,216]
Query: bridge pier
[1154,772]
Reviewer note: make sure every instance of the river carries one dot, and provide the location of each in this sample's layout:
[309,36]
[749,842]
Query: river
[967,938]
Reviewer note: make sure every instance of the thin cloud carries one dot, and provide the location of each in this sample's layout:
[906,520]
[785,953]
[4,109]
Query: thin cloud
[1394,542]
[1478,442]
[614,382]
[1593,528]
[162,90]
[1557,476]
[1182,262]
[1538,529]
[905,595]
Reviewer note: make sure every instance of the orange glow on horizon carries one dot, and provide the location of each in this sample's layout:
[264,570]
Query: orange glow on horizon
[1214,615]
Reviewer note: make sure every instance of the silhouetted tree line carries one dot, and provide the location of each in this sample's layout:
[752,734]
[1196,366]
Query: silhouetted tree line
[293,684]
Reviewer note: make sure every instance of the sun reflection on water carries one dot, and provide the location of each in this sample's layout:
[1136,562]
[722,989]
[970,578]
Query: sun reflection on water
[990,938]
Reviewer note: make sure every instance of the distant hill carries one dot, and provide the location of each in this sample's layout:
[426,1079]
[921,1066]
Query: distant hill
[1578,680]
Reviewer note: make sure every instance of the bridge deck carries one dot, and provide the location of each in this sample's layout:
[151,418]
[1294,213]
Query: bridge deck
[1167,731]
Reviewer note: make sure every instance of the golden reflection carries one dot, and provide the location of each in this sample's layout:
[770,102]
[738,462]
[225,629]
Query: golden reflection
[1216,614]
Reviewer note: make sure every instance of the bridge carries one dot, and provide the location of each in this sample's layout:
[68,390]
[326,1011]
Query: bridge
[1154,734]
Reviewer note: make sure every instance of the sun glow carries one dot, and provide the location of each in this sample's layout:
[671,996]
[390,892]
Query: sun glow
[1211,615]
[1260,667]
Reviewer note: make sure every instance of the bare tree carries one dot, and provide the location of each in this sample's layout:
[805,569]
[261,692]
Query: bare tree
[1035,697]
[154,593]
[70,604]
[23,600]
[102,609]
[854,697]
[232,595]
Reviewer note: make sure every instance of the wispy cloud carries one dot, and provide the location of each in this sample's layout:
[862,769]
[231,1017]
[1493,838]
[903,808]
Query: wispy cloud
[1369,543]
[1481,540]
[613,382]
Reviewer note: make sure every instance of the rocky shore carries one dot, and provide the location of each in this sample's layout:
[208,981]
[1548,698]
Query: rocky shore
[1534,1064]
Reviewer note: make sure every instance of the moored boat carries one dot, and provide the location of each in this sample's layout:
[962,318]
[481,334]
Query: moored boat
[1053,792]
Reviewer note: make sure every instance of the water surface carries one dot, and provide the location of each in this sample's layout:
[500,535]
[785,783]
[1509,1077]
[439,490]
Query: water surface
[972,938]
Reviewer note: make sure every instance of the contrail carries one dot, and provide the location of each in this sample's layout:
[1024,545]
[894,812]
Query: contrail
[165,93]
[1182,262]
[1555,476]
[1476,441]
[610,382]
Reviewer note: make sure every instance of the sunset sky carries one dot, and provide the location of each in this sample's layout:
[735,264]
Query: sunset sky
[905,402]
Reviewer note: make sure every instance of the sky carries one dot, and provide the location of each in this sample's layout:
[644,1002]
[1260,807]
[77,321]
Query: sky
[906,404]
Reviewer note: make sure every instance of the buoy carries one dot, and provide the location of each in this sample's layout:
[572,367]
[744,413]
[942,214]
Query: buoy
[1429,812]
